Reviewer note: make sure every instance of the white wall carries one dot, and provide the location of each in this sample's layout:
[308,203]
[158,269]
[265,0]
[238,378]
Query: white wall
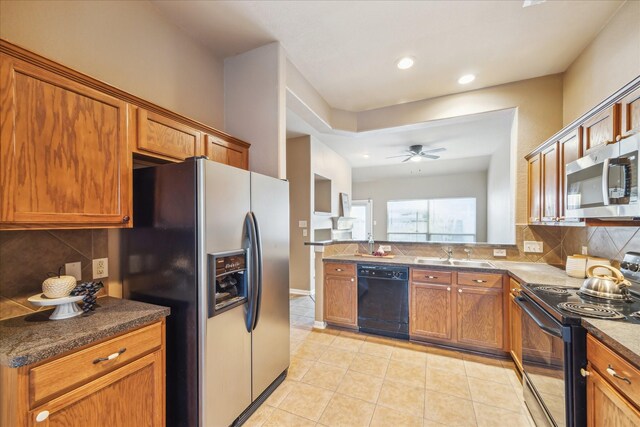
[127,44]
[609,62]
[329,164]
[437,186]
[500,217]
[255,106]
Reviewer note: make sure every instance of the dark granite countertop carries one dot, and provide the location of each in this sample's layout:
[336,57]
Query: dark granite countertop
[623,338]
[28,339]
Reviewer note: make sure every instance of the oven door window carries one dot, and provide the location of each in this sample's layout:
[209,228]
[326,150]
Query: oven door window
[543,362]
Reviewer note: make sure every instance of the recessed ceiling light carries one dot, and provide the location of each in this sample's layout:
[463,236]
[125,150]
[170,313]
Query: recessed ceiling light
[416,158]
[404,63]
[467,78]
[366,156]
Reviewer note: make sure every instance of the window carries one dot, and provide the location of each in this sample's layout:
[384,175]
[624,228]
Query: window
[432,220]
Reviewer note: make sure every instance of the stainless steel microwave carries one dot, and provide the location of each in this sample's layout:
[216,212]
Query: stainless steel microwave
[604,183]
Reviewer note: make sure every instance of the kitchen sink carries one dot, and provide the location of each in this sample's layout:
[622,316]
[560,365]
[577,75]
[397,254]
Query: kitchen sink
[454,262]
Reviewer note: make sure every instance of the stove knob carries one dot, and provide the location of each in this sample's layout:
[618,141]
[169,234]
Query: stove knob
[634,267]
[624,265]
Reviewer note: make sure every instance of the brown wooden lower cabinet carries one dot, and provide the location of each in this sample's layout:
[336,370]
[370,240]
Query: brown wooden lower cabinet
[515,325]
[458,308]
[480,319]
[341,295]
[606,407]
[79,390]
[430,312]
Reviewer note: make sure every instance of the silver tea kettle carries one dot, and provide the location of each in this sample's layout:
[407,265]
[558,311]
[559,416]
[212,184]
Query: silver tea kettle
[605,286]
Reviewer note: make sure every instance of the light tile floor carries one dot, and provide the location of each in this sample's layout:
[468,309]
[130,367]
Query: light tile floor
[340,378]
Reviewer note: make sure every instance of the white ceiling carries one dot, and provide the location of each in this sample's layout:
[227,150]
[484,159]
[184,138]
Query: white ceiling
[347,49]
[469,142]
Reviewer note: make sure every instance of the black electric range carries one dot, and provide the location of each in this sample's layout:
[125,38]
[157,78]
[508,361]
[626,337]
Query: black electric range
[554,349]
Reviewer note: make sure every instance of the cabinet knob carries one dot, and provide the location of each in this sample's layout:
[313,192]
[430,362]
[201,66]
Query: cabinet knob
[126,219]
[480,281]
[353,280]
[432,277]
[449,288]
[42,415]
[459,290]
[338,269]
[584,372]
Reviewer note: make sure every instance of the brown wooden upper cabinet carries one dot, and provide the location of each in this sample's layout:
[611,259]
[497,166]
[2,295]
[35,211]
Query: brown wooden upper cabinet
[549,181]
[601,129]
[569,150]
[535,171]
[162,137]
[227,152]
[64,158]
[630,113]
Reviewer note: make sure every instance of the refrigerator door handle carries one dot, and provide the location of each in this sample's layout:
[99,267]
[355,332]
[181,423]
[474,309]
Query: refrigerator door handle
[258,271]
[253,256]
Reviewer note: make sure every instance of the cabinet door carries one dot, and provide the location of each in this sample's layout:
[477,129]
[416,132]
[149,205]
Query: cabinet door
[534,189]
[601,129]
[161,137]
[569,150]
[341,300]
[430,311]
[515,327]
[605,407]
[549,177]
[227,152]
[479,317]
[630,113]
[130,396]
[63,151]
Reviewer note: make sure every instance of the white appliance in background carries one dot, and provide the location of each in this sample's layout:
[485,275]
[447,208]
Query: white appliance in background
[211,242]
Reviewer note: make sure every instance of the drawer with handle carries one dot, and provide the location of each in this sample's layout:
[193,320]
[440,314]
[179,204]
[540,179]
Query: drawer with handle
[621,374]
[430,276]
[483,280]
[339,269]
[55,377]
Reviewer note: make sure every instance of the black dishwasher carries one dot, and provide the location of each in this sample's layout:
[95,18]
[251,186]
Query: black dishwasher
[383,300]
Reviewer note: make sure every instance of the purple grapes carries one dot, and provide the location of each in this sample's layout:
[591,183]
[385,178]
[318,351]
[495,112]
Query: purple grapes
[89,291]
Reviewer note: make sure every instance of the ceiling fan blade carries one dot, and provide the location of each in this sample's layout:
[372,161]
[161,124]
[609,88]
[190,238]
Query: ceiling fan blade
[404,155]
[434,150]
[407,159]
[429,156]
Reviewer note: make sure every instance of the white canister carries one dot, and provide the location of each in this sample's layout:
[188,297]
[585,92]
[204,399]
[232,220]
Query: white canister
[576,266]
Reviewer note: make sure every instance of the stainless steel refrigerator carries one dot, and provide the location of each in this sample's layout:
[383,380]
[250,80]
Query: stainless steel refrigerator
[212,242]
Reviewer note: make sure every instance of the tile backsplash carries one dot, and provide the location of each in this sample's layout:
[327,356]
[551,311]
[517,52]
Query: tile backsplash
[558,243]
[26,258]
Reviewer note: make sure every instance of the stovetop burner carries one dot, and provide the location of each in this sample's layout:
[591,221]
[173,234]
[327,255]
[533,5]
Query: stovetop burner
[590,310]
[554,290]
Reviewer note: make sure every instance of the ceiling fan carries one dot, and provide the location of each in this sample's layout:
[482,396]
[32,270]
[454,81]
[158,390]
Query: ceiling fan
[415,153]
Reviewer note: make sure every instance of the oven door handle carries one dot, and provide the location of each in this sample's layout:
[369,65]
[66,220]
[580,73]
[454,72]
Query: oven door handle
[551,331]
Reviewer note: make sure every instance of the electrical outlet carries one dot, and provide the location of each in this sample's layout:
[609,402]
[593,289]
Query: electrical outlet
[302,224]
[304,233]
[499,252]
[585,250]
[100,268]
[532,246]
[386,248]
[73,269]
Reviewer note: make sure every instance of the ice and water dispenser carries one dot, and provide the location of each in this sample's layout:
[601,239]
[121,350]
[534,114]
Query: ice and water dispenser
[227,281]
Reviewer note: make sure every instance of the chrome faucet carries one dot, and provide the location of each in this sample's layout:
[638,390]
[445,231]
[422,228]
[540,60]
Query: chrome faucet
[449,252]
[468,252]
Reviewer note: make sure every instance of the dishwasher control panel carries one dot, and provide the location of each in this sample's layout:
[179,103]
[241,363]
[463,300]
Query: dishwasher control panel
[383,272]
